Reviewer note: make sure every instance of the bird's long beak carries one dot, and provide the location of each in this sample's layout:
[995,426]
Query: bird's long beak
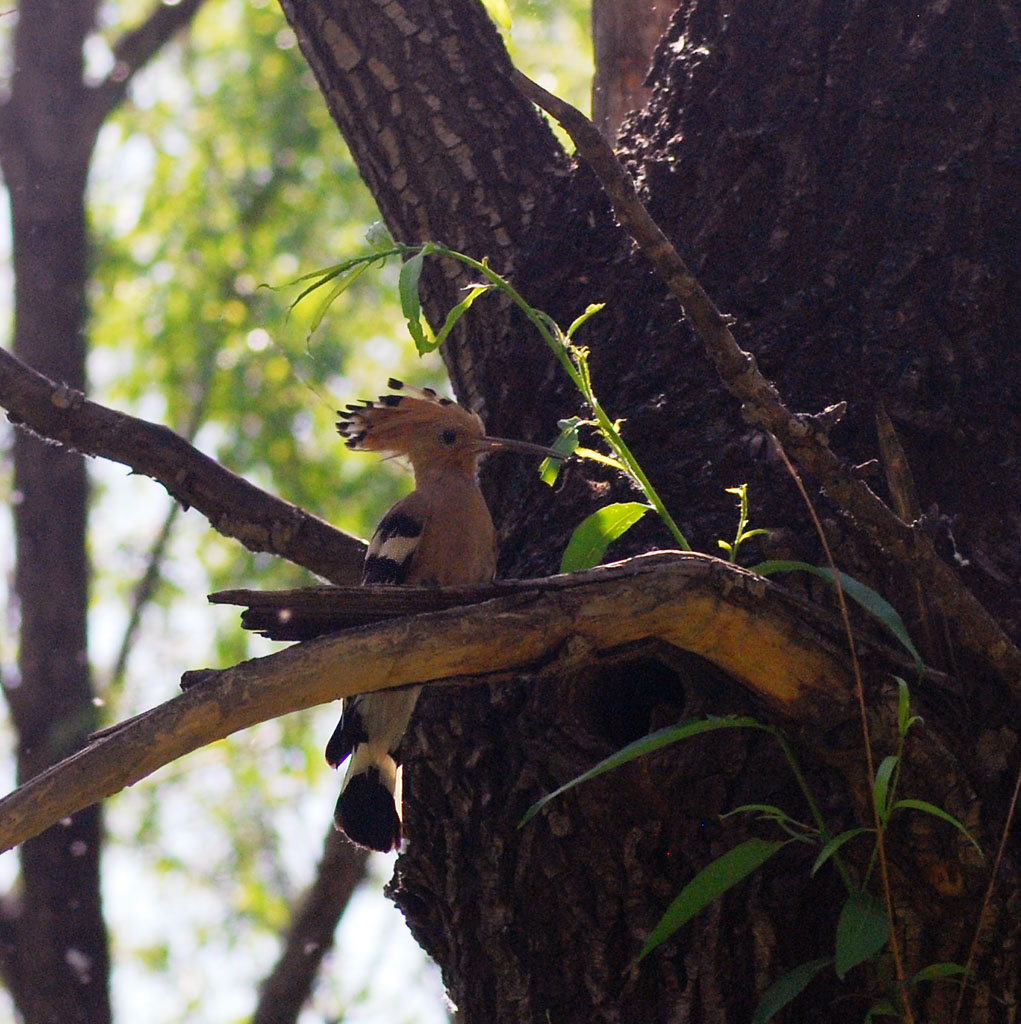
[505,443]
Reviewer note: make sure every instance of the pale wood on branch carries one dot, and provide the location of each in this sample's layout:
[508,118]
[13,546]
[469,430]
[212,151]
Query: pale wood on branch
[308,612]
[762,636]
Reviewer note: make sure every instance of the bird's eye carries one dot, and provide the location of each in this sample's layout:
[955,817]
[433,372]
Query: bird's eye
[448,436]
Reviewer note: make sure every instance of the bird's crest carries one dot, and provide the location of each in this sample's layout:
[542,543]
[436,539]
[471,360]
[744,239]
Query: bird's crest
[405,422]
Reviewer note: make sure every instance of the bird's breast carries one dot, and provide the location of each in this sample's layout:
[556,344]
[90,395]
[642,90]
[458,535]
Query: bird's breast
[458,543]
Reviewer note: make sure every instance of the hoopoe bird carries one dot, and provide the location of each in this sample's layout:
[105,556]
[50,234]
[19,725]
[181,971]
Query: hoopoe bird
[441,533]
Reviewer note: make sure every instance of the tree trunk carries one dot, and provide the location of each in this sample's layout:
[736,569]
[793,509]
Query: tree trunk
[624,37]
[55,955]
[53,944]
[845,182]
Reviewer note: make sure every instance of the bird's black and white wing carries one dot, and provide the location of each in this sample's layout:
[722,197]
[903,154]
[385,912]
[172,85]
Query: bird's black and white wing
[372,724]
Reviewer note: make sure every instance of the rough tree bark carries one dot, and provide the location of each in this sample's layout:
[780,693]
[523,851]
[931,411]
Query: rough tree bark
[845,180]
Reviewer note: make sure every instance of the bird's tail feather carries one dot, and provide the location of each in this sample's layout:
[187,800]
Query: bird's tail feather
[368,807]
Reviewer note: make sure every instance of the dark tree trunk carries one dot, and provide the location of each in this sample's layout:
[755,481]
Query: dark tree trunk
[55,949]
[624,37]
[473,174]
[53,944]
[845,180]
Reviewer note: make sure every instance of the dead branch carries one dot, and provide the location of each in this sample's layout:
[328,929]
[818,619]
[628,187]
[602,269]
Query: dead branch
[309,612]
[763,637]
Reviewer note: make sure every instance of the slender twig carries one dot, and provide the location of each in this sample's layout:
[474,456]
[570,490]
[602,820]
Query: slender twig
[990,888]
[804,437]
[859,688]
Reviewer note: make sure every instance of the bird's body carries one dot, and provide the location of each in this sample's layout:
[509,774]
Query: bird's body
[441,533]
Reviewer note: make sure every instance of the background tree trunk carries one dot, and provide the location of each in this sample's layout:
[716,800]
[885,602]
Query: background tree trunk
[53,943]
[624,36]
[55,950]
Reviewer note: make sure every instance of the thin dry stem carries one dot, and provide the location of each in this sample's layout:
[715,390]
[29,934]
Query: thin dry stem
[859,689]
[990,889]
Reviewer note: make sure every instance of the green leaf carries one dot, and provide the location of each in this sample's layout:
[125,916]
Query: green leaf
[712,881]
[862,931]
[411,305]
[593,456]
[875,605]
[322,278]
[935,972]
[343,283]
[797,830]
[768,810]
[378,236]
[834,845]
[594,535]
[905,720]
[590,310]
[326,274]
[791,985]
[647,745]
[903,706]
[881,786]
[878,607]
[884,1008]
[937,812]
[422,334]
[457,312]
[566,444]
[759,531]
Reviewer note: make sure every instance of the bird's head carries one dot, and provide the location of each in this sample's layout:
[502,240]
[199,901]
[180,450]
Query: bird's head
[432,431]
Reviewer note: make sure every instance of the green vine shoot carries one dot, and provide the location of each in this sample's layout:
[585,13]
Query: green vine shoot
[604,526]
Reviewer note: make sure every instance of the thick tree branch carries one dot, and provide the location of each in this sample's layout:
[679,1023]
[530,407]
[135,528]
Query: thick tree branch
[233,506]
[804,437]
[760,635]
